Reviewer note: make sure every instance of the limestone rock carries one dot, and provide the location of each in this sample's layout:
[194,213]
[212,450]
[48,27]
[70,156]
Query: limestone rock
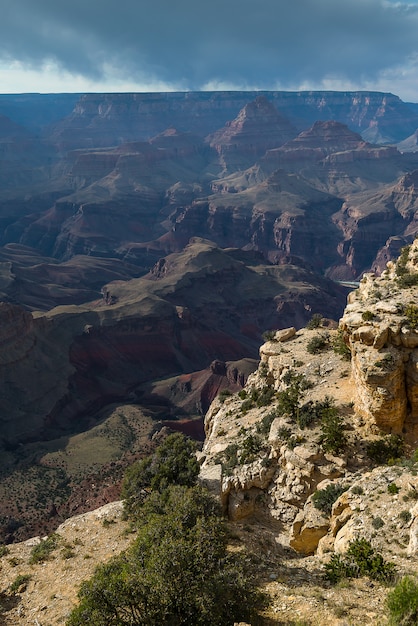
[385,348]
[241,504]
[309,527]
[211,477]
[413,532]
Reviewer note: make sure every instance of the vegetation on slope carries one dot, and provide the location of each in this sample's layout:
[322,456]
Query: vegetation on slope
[178,570]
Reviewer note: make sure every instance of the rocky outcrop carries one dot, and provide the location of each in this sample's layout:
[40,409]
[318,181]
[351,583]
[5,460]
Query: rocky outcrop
[272,462]
[284,217]
[193,392]
[379,326]
[263,474]
[371,220]
[316,143]
[336,159]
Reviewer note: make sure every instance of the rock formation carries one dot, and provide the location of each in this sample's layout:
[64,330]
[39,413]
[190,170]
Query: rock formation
[265,452]
[257,128]
[159,183]
[167,343]
[108,119]
[380,326]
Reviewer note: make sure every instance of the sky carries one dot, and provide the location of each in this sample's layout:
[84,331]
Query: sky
[51,46]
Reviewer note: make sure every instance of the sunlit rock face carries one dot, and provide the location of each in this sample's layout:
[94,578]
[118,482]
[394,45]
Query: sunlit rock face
[380,327]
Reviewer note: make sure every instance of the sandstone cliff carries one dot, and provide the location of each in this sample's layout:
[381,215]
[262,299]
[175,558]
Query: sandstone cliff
[381,328]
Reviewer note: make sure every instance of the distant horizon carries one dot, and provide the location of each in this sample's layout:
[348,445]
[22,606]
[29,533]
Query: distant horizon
[185,91]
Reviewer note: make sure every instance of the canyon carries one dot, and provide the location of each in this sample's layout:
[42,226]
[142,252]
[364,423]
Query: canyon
[147,241]
[267,464]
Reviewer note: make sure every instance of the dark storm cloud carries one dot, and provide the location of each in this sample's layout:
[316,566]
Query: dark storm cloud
[257,42]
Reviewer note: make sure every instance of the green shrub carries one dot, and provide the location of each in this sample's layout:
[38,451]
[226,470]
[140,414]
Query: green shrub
[402,603]
[405,516]
[263,369]
[411,314]
[333,438]
[339,345]
[228,458]
[404,277]
[177,572]
[43,550]
[393,489]
[385,450]
[289,399]
[269,335]
[246,405]
[367,316]
[357,490]
[359,560]
[311,412]
[408,280]
[265,396]
[306,415]
[264,425]
[223,395]
[284,433]
[323,499]
[377,523]
[235,454]
[174,462]
[400,267]
[315,321]
[20,583]
[249,449]
[317,344]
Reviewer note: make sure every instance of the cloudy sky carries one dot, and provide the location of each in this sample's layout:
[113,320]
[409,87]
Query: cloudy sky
[165,45]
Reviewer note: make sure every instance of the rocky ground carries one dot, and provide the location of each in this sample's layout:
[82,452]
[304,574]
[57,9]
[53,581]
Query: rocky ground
[50,591]
[298,593]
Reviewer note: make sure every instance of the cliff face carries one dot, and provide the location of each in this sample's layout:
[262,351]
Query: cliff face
[380,325]
[284,463]
[265,451]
